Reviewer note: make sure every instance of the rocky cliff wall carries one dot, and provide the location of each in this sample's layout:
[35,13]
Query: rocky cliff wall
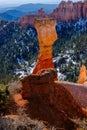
[66,11]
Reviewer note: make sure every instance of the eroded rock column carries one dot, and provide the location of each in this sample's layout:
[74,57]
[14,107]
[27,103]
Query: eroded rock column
[46,36]
[83,75]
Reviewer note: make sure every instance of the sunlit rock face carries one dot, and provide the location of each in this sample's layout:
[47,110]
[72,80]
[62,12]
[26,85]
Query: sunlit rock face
[27,20]
[38,84]
[82,75]
[85,9]
[67,11]
[46,36]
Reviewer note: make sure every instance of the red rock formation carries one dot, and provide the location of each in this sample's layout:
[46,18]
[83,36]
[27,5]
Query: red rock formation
[82,75]
[39,80]
[41,12]
[29,19]
[46,36]
[66,11]
[48,98]
[85,9]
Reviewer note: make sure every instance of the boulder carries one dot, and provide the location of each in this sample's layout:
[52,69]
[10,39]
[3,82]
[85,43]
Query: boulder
[38,84]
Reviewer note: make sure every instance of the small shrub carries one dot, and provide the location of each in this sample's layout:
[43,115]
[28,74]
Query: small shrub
[4,94]
[81,124]
[22,122]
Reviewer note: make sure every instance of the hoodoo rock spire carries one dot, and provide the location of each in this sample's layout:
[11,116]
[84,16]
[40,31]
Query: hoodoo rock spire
[46,36]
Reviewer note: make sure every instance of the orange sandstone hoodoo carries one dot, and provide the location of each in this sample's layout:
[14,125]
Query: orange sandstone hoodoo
[83,75]
[46,36]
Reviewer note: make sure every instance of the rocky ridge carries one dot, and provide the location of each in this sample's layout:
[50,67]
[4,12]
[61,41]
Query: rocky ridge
[65,12]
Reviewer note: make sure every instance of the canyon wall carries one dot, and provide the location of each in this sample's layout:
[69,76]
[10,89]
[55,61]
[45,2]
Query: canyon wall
[66,11]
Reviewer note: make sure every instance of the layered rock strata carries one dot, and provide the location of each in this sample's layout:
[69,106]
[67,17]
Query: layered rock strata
[68,11]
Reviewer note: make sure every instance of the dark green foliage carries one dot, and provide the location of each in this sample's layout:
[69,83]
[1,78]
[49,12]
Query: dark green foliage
[19,48]
[4,94]
[71,48]
[17,45]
